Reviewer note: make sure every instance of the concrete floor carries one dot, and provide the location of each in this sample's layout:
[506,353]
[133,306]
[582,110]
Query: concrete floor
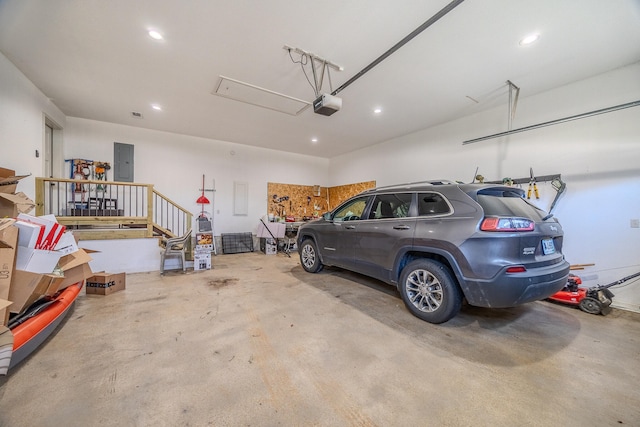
[258,342]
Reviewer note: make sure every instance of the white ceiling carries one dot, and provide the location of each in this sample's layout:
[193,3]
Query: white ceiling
[95,60]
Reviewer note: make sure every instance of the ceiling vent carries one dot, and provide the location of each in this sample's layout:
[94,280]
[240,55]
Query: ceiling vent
[136,115]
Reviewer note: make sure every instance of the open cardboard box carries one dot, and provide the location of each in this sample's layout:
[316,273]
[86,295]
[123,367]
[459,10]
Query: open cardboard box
[13,204]
[75,267]
[42,241]
[36,260]
[9,180]
[27,287]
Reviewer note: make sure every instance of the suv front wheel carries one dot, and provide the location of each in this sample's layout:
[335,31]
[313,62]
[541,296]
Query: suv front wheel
[429,291]
[309,257]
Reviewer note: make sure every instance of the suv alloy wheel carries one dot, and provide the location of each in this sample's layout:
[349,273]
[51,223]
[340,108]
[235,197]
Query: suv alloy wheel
[429,291]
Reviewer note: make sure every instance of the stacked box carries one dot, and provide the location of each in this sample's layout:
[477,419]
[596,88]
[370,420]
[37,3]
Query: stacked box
[201,261]
[105,283]
[204,242]
[27,274]
[268,245]
[202,253]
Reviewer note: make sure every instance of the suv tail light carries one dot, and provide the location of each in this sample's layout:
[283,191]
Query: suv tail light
[507,224]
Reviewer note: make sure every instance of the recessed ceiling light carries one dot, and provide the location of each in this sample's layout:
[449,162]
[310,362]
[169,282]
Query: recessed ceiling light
[531,38]
[154,34]
[156,107]
[377,110]
[314,140]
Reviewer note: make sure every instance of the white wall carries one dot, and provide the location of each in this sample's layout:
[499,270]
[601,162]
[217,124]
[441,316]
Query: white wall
[174,164]
[23,108]
[598,158]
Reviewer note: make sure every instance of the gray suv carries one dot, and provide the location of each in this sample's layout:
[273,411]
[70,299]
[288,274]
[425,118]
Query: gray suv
[440,242]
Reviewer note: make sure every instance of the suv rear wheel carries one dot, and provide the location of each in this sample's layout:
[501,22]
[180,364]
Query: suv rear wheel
[429,291]
[309,257]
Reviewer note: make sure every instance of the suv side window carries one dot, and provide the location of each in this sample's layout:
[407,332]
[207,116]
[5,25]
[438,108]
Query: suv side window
[352,210]
[391,206]
[432,204]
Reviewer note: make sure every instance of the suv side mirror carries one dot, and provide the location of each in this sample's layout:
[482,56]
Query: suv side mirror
[326,216]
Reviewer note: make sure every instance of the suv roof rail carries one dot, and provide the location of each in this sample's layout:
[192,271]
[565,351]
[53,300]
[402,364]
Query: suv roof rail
[408,184]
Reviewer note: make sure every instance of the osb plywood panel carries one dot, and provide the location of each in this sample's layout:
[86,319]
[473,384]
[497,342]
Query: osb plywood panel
[302,201]
[341,193]
[295,200]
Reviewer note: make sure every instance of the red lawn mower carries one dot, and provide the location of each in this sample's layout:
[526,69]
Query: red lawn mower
[595,300]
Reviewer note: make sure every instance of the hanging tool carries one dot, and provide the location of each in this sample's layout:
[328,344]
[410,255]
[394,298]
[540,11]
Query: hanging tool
[477,177]
[532,185]
[559,186]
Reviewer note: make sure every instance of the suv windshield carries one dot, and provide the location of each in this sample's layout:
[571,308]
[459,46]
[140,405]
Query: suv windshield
[351,211]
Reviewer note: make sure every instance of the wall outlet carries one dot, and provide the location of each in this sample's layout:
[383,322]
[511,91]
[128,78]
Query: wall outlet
[635,223]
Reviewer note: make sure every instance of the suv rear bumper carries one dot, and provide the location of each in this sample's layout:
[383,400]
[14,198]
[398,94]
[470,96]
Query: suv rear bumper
[511,289]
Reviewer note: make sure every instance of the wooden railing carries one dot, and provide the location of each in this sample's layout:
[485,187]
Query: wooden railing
[99,210]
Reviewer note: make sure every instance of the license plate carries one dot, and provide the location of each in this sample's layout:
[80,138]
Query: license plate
[548,247]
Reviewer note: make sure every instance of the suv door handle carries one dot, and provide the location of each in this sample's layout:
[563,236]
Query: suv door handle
[350,227]
[401,227]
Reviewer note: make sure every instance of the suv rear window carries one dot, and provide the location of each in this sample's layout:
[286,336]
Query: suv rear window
[507,203]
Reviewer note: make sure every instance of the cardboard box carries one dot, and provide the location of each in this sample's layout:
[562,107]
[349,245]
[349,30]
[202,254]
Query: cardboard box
[11,205]
[36,260]
[30,234]
[67,244]
[4,312]
[6,223]
[201,261]
[27,288]
[9,180]
[105,283]
[204,242]
[4,305]
[8,242]
[52,230]
[75,267]
[268,245]
[37,241]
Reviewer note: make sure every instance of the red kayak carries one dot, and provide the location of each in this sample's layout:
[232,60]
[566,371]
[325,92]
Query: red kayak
[32,328]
